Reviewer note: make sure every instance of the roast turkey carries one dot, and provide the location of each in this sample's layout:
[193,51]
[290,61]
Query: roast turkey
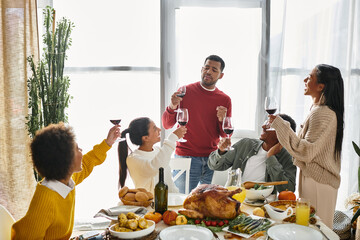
[211,200]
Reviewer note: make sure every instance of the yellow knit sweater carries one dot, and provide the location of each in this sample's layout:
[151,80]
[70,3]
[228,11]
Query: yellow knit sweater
[313,148]
[50,216]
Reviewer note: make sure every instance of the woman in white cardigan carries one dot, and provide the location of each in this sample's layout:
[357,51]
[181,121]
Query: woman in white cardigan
[144,162]
[316,149]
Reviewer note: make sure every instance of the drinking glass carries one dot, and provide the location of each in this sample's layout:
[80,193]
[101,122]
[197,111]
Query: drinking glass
[234,178]
[117,121]
[182,92]
[271,106]
[233,182]
[228,129]
[303,211]
[182,118]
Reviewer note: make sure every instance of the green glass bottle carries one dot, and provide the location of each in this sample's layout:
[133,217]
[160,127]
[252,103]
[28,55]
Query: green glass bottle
[161,194]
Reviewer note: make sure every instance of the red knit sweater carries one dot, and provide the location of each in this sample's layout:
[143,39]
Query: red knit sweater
[203,127]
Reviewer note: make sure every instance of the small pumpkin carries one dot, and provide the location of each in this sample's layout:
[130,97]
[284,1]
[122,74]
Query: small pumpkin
[287,195]
[169,217]
[154,216]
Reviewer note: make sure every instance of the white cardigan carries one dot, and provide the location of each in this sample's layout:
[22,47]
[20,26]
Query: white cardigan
[144,166]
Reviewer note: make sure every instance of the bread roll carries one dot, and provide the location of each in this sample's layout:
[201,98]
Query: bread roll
[142,189]
[141,197]
[150,195]
[129,197]
[133,190]
[123,191]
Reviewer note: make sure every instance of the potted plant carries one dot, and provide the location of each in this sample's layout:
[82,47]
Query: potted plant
[48,87]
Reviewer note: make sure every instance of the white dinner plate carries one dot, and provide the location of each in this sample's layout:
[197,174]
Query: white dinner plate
[176,199]
[293,232]
[186,232]
[135,234]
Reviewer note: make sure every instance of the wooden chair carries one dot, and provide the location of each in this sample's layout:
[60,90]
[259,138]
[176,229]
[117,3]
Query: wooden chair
[182,164]
[6,221]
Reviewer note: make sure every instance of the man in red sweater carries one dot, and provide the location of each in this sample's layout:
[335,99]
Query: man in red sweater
[207,107]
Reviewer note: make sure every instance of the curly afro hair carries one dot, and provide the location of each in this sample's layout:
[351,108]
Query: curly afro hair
[53,152]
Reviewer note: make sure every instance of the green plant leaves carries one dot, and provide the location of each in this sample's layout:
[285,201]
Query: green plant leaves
[356,148]
[48,87]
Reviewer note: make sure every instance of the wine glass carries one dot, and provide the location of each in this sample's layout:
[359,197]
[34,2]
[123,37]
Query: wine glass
[182,118]
[270,107]
[117,121]
[228,129]
[182,92]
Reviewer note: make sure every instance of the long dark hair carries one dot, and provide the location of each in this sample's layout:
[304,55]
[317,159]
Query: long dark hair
[138,128]
[334,97]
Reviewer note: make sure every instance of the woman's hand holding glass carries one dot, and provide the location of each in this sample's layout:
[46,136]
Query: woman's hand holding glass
[269,121]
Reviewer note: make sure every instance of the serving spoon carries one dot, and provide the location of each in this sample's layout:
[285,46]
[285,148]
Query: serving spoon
[250,184]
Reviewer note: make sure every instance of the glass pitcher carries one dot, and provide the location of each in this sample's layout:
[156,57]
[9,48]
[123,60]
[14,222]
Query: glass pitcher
[234,178]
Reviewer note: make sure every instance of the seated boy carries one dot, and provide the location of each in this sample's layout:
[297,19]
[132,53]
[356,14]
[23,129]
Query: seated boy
[57,158]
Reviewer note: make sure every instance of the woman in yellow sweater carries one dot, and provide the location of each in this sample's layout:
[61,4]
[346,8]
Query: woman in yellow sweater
[57,158]
[316,149]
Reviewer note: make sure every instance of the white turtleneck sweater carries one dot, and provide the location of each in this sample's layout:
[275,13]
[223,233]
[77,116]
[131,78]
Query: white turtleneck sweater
[144,166]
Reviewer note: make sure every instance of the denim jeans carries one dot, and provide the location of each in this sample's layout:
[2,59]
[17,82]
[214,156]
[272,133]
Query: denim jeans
[199,173]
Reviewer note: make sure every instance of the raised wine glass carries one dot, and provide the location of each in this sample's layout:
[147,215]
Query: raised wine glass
[182,92]
[228,129]
[117,121]
[270,107]
[182,118]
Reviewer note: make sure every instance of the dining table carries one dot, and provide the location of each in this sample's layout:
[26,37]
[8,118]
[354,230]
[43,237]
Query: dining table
[245,208]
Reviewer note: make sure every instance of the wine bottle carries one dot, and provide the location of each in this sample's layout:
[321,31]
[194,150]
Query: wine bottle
[161,194]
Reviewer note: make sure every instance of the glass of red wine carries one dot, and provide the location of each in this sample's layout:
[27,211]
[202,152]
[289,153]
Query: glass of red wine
[228,129]
[270,107]
[117,122]
[182,92]
[182,118]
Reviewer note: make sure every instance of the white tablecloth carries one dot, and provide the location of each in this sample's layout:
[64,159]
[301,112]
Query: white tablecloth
[244,208]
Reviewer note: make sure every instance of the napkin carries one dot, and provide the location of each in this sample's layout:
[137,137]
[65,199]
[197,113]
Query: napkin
[112,213]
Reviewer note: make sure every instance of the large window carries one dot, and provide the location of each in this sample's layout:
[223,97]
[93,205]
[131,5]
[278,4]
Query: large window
[114,69]
[114,65]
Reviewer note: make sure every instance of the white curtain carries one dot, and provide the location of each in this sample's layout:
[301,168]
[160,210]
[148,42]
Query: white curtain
[18,40]
[306,33]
